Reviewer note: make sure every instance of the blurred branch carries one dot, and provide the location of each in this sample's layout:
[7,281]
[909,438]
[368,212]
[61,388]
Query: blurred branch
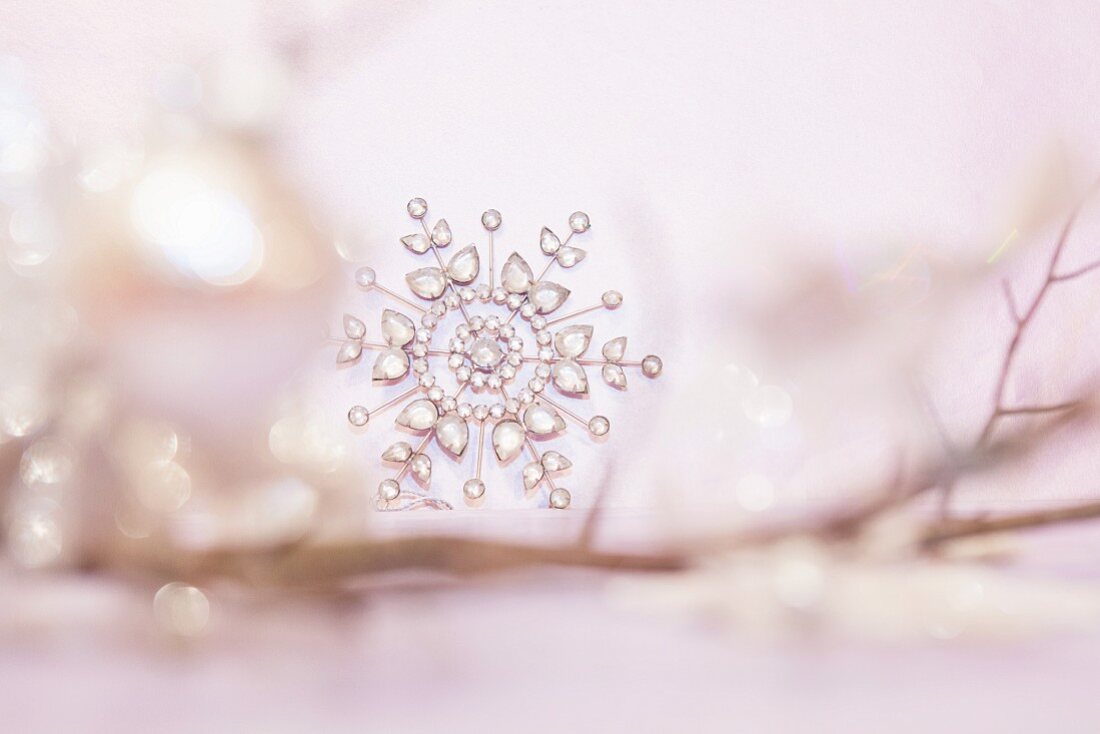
[949,530]
[1022,321]
[312,562]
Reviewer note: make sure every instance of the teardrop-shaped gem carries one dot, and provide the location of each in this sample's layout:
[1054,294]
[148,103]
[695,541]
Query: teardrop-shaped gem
[547,296]
[421,468]
[465,265]
[390,364]
[418,243]
[353,327]
[549,242]
[553,461]
[452,433]
[516,276]
[508,438]
[399,452]
[613,375]
[419,415]
[615,349]
[441,233]
[397,328]
[542,420]
[570,377]
[572,341]
[532,475]
[427,282]
[570,256]
[349,352]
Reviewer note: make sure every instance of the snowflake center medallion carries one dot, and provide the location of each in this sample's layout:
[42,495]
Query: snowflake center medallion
[485,354]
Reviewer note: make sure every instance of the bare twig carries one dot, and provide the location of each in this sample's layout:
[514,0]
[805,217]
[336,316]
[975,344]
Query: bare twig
[1076,273]
[592,519]
[956,529]
[1040,409]
[322,562]
[1013,311]
[1022,321]
[849,520]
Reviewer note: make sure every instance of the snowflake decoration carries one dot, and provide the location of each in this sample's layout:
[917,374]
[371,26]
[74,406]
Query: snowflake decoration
[486,355]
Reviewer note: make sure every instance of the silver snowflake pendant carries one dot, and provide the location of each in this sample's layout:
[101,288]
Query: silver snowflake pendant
[487,355]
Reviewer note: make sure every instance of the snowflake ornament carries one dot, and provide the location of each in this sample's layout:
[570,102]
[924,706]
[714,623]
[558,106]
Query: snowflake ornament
[487,356]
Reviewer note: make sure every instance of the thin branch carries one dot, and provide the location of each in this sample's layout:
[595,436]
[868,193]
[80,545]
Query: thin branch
[592,519]
[1013,311]
[1040,409]
[1024,320]
[313,563]
[1076,273]
[955,529]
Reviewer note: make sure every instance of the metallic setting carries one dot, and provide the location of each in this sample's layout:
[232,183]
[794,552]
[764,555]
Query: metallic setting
[487,354]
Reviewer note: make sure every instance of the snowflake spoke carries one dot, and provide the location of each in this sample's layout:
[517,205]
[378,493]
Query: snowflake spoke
[390,403]
[398,297]
[575,314]
[566,411]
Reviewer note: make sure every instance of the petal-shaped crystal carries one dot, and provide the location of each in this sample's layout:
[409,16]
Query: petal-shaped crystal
[615,350]
[570,377]
[553,461]
[508,438]
[421,467]
[419,415]
[547,296]
[532,474]
[427,282]
[516,276]
[452,433]
[390,364]
[465,265]
[542,420]
[349,352]
[570,256]
[400,451]
[441,233]
[549,242]
[353,327]
[613,375]
[486,353]
[418,243]
[397,328]
[572,341]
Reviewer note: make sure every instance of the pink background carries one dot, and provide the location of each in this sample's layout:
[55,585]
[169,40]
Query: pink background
[712,143]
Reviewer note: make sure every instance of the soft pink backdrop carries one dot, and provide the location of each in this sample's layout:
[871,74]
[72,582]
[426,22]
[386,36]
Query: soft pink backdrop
[699,136]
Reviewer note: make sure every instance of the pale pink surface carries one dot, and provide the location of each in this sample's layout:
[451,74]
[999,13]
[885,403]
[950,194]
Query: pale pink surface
[541,654]
[697,134]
